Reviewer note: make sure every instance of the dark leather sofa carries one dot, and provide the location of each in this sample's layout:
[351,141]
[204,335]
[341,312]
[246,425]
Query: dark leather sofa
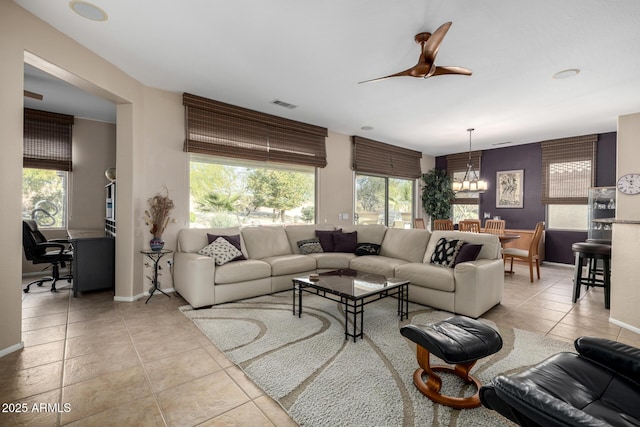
[599,386]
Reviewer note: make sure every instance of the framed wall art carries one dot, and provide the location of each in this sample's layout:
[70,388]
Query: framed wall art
[510,189]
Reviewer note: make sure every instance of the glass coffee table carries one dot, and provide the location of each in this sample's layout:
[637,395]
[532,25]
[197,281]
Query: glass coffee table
[354,289]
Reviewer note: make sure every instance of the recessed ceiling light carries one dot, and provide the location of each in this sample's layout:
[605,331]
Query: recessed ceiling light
[88,10]
[367,128]
[565,74]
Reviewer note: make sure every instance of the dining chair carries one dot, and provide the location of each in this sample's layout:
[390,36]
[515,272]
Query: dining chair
[442,224]
[469,225]
[531,255]
[495,226]
[418,223]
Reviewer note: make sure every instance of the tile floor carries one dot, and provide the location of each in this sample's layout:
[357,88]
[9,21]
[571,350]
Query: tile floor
[97,362]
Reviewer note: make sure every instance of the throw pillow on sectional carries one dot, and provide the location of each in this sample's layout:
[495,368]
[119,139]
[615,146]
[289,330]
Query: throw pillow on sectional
[468,252]
[367,249]
[221,251]
[326,239]
[234,239]
[345,242]
[310,246]
[446,251]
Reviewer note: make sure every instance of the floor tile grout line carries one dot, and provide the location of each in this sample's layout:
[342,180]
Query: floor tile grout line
[144,370]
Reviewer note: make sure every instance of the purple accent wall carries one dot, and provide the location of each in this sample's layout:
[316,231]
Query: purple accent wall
[528,157]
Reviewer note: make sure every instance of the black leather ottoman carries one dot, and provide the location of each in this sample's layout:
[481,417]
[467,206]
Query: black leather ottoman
[458,340]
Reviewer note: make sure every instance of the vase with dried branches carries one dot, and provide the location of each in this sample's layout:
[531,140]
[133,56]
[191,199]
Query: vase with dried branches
[157,218]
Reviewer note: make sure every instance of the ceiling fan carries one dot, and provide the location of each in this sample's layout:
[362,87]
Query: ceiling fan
[425,68]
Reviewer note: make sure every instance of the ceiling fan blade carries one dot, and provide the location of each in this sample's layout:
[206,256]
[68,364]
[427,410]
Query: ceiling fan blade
[401,73]
[432,45]
[33,95]
[440,71]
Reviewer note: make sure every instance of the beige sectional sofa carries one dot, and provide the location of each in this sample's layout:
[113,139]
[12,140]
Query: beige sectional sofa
[273,259]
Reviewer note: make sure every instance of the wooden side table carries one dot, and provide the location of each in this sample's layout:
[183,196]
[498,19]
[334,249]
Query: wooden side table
[155,257]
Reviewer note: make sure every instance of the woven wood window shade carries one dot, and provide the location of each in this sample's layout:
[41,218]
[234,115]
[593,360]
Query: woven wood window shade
[568,170]
[47,140]
[220,129]
[458,163]
[375,157]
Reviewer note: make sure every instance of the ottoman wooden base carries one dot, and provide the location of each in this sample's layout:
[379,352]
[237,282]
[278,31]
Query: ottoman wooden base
[458,340]
[431,387]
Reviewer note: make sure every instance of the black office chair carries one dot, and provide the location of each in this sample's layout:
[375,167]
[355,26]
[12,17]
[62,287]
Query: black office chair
[599,386]
[35,250]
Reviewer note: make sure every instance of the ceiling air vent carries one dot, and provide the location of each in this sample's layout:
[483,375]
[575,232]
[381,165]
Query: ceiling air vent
[284,104]
[501,143]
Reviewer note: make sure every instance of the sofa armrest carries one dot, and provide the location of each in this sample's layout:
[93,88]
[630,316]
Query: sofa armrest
[193,278]
[479,286]
[621,358]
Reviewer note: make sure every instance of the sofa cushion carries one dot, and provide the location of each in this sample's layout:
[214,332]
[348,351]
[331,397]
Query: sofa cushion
[373,233]
[194,239]
[430,276]
[468,252]
[310,246]
[241,271]
[233,239]
[332,260]
[265,241]
[326,239]
[298,232]
[290,264]
[446,251]
[491,248]
[405,244]
[345,242]
[367,249]
[221,251]
[376,264]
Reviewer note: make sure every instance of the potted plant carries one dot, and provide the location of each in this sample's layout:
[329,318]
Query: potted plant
[157,218]
[437,194]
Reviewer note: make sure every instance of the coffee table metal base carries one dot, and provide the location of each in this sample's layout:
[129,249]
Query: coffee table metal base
[354,306]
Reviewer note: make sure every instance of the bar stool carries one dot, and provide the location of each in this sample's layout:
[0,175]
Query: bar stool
[591,251]
[593,263]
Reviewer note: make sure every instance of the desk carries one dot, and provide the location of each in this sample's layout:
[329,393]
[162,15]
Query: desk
[155,256]
[93,260]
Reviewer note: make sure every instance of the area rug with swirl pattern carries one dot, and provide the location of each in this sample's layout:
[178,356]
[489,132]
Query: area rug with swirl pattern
[321,379]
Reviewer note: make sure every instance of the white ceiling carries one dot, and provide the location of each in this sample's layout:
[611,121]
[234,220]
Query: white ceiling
[313,53]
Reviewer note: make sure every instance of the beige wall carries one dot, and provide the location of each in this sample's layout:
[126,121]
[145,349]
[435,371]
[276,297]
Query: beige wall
[24,36]
[625,292]
[94,151]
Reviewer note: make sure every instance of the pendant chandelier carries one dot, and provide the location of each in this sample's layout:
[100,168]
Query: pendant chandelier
[471,181]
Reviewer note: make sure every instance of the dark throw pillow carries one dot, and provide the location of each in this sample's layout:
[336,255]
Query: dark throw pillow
[367,249]
[310,246]
[234,239]
[446,251]
[326,239]
[345,242]
[468,252]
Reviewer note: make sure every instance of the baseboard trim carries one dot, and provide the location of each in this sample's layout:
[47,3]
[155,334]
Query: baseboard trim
[11,349]
[142,295]
[624,325]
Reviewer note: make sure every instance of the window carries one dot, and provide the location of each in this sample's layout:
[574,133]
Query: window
[568,171]
[384,200]
[460,212]
[44,197]
[465,206]
[226,192]
[46,166]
